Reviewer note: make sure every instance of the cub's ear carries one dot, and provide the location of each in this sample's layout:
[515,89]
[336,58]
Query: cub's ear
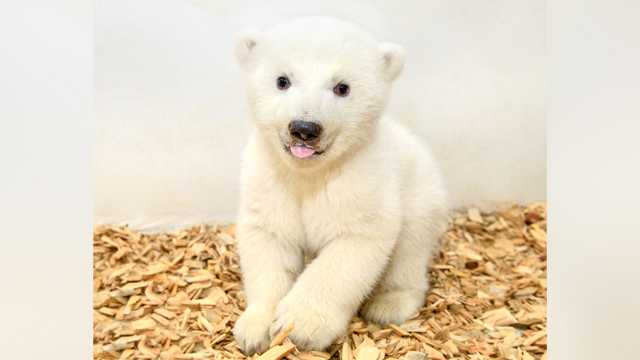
[245,47]
[392,59]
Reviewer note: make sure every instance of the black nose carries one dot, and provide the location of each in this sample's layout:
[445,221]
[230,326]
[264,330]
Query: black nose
[304,130]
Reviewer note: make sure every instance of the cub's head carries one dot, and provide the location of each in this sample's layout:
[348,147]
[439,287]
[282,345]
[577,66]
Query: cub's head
[317,87]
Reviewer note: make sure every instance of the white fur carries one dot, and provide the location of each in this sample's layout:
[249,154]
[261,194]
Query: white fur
[367,212]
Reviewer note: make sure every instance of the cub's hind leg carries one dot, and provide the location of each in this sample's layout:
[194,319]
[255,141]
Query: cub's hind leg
[401,291]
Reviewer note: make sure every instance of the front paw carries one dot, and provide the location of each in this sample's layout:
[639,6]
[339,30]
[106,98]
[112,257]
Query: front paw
[251,330]
[314,327]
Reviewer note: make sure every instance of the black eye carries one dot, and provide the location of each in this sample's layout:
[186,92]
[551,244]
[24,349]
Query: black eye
[283,83]
[341,90]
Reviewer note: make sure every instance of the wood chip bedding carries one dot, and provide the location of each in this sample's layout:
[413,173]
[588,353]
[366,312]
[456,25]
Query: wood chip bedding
[176,296]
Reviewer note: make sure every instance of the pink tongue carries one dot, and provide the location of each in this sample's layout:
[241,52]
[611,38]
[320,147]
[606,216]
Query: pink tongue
[301,151]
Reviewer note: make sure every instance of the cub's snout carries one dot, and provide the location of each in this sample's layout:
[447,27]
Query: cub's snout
[304,130]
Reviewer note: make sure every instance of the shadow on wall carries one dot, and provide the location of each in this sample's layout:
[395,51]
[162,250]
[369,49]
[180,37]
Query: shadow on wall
[172,114]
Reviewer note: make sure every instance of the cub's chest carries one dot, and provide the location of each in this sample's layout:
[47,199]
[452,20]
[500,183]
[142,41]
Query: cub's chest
[321,218]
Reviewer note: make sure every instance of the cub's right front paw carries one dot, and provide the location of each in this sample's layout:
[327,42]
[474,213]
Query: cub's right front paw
[252,329]
[314,327]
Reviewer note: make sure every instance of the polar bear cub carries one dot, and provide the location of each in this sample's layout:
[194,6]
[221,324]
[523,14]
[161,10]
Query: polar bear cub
[327,178]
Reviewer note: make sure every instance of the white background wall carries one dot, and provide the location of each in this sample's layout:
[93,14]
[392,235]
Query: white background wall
[172,117]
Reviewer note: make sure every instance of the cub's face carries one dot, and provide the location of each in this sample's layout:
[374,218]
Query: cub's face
[317,87]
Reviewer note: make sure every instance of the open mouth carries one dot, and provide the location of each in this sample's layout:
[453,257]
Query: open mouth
[302,151]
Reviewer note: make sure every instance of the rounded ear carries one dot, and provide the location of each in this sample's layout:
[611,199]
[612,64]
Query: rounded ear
[392,59]
[245,47]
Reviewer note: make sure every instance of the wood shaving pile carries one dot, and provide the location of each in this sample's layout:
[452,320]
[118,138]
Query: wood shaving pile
[177,295]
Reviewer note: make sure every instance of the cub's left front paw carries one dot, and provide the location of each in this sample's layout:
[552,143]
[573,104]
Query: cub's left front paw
[252,329]
[314,328]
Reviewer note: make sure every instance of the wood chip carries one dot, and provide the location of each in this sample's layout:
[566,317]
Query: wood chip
[368,353]
[165,313]
[400,331]
[143,324]
[498,317]
[346,353]
[432,353]
[474,215]
[172,296]
[414,355]
[279,338]
[277,352]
